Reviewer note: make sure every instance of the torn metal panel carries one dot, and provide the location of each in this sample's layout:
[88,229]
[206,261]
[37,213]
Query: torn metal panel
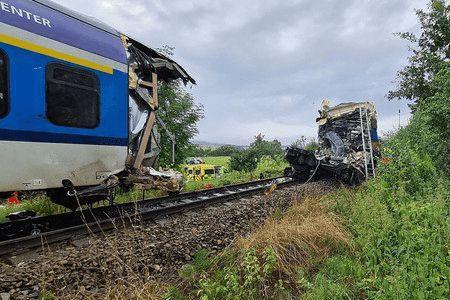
[340,131]
[329,113]
[153,61]
[146,68]
[343,151]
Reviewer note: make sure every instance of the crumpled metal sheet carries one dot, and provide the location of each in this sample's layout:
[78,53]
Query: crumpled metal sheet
[340,154]
[147,68]
[329,113]
[337,145]
[149,178]
[166,68]
[340,134]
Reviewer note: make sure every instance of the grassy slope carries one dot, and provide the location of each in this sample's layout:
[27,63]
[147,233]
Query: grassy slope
[386,240]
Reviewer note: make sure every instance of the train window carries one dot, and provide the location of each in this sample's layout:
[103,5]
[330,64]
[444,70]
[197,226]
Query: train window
[209,172]
[73,96]
[4,99]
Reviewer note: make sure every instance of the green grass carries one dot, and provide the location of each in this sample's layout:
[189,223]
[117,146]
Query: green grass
[226,179]
[39,204]
[268,166]
[136,194]
[223,161]
[43,206]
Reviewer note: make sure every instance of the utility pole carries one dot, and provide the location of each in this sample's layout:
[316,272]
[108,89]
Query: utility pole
[399,119]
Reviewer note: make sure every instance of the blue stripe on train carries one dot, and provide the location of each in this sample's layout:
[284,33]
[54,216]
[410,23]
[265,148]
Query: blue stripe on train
[59,138]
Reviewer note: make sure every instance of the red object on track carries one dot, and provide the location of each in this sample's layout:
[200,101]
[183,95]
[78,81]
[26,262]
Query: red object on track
[14,199]
[208,186]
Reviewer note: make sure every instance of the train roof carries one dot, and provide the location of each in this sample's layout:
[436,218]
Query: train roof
[168,69]
[81,17]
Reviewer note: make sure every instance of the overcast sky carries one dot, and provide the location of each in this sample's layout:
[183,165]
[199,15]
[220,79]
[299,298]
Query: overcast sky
[265,66]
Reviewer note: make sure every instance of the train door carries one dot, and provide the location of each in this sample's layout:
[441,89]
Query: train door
[4,85]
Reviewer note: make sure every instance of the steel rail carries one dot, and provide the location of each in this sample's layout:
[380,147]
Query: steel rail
[37,232]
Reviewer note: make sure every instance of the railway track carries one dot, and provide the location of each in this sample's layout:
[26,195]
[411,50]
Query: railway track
[35,232]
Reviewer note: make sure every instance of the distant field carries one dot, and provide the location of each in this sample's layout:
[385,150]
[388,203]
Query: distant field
[218,160]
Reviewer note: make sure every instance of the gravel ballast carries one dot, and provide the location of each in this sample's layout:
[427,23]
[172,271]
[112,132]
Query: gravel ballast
[152,250]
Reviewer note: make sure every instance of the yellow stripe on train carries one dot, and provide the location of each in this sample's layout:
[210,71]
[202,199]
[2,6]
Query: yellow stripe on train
[53,53]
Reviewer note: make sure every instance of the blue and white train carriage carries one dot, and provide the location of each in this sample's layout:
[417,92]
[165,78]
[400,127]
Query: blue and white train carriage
[67,84]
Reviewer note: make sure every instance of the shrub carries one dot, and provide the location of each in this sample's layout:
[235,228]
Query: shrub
[401,228]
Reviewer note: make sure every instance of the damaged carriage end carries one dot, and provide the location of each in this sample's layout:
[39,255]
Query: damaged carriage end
[146,68]
[348,145]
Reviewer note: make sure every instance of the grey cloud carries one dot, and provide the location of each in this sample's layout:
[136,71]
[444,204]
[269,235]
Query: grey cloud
[265,66]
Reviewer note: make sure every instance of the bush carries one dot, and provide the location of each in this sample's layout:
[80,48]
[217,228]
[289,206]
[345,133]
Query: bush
[271,167]
[401,228]
[246,161]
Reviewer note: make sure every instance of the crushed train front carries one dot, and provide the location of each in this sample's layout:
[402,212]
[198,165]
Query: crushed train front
[348,145]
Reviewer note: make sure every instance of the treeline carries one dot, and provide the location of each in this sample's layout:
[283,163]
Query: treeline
[225,150]
[246,159]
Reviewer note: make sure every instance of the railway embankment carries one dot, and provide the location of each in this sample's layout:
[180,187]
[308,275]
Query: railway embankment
[143,253]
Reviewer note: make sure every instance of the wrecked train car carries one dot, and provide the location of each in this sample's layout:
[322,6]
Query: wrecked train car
[78,102]
[348,144]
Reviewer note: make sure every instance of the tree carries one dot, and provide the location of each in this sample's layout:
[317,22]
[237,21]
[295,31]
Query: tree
[430,49]
[431,122]
[181,115]
[247,160]
[266,148]
[426,82]
[198,151]
[225,150]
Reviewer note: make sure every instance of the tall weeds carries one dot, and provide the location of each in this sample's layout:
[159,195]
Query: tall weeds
[272,262]
[302,238]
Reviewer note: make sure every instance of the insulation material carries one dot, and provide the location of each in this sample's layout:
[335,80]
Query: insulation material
[149,178]
[138,118]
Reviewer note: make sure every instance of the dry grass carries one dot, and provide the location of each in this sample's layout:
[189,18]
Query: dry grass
[301,238]
[136,291]
[306,235]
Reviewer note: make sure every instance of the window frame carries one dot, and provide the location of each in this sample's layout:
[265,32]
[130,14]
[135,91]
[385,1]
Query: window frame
[210,172]
[49,77]
[6,80]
